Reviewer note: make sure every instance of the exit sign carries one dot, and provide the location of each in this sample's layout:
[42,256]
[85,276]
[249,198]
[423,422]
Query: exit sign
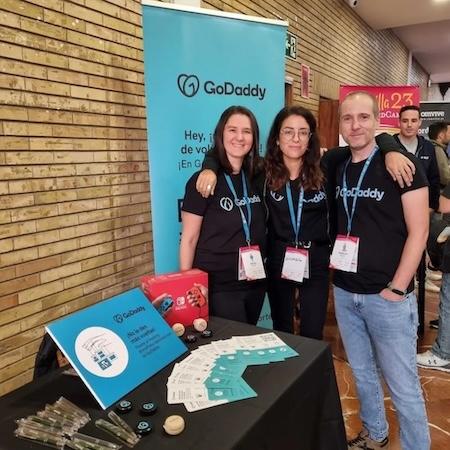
[291,46]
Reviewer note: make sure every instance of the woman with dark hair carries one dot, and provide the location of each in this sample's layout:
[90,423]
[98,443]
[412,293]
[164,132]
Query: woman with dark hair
[299,244]
[225,235]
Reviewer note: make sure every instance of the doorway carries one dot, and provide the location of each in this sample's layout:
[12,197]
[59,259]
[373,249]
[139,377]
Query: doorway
[328,122]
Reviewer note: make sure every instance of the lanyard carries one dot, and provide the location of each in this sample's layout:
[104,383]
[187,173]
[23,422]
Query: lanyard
[358,187]
[295,224]
[246,223]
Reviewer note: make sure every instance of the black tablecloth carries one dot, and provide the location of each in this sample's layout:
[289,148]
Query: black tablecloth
[297,406]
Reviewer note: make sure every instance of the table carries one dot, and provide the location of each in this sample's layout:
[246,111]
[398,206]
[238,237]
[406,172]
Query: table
[297,406]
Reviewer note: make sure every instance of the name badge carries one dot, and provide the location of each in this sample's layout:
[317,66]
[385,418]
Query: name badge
[345,253]
[295,264]
[251,265]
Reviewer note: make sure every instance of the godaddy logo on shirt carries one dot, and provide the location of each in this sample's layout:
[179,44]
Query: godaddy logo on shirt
[227,204]
[354,192]
[316,199]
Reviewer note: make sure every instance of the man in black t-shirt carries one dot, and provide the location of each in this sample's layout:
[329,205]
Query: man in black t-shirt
[381,235]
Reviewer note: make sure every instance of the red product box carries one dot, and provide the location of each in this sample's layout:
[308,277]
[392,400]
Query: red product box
[180,297]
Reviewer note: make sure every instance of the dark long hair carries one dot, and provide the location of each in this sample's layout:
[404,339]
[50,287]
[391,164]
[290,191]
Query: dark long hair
[276,172]
[252,161]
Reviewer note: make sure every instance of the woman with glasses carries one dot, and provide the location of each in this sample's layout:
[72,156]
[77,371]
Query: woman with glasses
[225,235]
[298,197]
[298,244]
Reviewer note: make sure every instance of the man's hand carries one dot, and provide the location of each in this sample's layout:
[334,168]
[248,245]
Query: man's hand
[401,168]
[387,294]
[206,182]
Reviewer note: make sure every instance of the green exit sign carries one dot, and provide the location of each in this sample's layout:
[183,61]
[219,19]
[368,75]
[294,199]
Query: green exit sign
[291,46]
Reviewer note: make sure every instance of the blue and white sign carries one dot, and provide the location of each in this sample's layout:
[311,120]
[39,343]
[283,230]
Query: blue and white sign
[117,344]
[198,62]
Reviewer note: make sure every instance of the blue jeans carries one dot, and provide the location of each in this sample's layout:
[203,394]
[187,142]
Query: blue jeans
[380,336]
[441,346]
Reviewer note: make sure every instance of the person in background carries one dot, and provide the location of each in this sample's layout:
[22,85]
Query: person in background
[439,356]
[217,232]
[437,132]
[423,149]
[381,236]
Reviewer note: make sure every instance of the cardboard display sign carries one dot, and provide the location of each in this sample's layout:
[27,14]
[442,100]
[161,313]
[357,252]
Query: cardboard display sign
[116,345]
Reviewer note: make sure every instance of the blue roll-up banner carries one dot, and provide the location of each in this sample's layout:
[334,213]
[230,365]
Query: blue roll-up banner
[198,62]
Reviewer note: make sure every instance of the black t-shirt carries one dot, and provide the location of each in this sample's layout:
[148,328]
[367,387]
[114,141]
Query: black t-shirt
[378,222]
[313,226]
[222,232]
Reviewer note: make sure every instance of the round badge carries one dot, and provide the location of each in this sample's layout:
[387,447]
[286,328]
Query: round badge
[190,338]
[143,427]
[124,406]
[206,334]
[148,408]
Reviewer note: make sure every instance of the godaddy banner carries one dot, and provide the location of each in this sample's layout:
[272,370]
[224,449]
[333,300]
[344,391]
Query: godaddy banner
[431,112]
[197,63]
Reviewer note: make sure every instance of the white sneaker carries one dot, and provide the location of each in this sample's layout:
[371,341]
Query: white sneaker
[428,360]
[434,275]
[430,287]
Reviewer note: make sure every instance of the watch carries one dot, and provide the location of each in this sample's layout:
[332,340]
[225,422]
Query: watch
[396,291]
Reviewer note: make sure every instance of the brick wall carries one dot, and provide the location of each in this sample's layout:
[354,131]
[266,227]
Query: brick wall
[419,77]
[74,209]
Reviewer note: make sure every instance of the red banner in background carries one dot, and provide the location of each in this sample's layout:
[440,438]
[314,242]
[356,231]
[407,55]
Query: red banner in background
[390,100]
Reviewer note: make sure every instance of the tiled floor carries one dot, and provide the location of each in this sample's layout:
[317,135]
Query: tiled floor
[436,386]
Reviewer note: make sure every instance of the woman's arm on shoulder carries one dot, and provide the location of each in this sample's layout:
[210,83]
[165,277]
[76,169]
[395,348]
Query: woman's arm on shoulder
[207,180]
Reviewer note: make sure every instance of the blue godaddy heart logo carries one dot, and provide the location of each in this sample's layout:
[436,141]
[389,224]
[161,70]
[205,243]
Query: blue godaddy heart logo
[188,84]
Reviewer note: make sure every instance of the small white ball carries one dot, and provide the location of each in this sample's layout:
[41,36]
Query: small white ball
[200,324]
[174,425]
[178,329]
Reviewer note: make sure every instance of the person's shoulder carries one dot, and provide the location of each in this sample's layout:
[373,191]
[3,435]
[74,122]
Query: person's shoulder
[413,159]
[419,178]
[336,154]
[193,179]
[425,143]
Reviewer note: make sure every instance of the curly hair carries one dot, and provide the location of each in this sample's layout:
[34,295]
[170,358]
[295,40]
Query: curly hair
[311,176]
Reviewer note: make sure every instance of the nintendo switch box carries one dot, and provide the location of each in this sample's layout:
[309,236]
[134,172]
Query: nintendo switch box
[180,297]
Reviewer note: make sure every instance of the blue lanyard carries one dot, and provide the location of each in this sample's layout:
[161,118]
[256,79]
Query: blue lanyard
[295,225]
[246,223]
[358,187]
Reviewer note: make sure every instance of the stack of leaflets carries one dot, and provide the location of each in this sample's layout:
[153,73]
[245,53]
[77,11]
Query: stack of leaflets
[212,374]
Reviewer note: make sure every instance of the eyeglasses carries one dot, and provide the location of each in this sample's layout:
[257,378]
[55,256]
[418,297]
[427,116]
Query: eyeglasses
[290,133]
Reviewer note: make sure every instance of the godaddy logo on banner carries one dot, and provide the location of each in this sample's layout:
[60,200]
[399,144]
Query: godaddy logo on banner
[189,85]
